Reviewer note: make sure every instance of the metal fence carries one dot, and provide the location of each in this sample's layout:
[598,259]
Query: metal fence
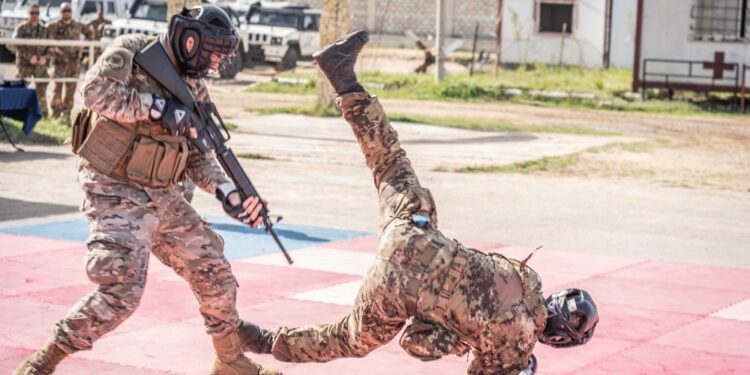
[396,16]
[91,45]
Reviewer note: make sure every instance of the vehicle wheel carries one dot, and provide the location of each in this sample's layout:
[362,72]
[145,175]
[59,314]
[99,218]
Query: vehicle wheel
[289,61]
[6,56]
[234,67]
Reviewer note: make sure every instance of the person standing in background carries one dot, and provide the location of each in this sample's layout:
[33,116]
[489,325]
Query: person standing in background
[31,61]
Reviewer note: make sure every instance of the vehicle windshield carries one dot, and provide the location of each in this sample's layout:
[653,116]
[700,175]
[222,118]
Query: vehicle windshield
[43,3]
[273,18]
[154,12]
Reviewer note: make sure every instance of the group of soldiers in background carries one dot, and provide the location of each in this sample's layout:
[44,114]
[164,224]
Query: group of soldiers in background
[33,61]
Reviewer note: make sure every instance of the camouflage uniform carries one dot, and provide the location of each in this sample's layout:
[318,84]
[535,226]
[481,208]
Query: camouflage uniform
[26,69]
[95,30]
[460,298]
[127,221]
[66,64]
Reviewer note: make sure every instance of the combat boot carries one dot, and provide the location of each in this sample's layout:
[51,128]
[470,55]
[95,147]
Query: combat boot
[337,60]
[231,361]
[43,362]
[255,339]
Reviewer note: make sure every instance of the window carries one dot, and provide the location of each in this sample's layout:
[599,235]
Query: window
[720,20]
[310,23]
[89,7]
[556,16]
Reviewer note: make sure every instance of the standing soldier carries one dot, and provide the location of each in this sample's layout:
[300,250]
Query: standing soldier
[95,29]
[137,149]
[66,61]
[32,60]
[460,299]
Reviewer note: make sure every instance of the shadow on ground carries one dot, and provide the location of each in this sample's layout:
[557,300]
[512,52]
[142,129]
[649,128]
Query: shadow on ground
[15,209]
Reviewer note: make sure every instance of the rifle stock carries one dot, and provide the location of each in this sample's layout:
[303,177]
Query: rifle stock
[154,61]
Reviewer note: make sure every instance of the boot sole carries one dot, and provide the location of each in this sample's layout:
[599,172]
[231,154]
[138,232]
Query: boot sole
[363,35]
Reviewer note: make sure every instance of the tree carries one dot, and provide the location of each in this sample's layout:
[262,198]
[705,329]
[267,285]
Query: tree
[335,21]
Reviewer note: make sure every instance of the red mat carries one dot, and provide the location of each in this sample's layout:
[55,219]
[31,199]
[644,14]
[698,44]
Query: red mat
[656,317]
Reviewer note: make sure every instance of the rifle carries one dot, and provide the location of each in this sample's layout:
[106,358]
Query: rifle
[154,61]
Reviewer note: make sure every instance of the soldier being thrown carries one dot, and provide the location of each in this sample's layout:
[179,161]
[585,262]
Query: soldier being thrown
[460,299]
[136,152]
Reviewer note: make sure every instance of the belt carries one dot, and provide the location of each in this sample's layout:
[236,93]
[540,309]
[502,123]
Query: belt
[449,285]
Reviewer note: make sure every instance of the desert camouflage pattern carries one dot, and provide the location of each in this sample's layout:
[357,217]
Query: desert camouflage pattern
[497,308]
[95,28]
[66,63]
[128,222]
[26,69]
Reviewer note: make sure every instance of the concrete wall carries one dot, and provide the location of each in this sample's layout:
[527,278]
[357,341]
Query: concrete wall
[522,43]
[666,35]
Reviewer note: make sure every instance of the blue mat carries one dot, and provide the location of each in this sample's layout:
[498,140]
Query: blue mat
[240,241]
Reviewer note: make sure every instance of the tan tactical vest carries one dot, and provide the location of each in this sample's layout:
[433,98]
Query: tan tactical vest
[142,154]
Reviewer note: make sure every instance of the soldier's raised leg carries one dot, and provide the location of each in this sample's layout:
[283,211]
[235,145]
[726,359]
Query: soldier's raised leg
[379,310]
[122,225]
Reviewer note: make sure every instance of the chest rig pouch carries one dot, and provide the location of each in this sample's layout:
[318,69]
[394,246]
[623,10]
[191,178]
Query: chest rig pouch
[142,154]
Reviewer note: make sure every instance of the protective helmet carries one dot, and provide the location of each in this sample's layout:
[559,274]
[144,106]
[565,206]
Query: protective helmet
[571,319]
[195,34]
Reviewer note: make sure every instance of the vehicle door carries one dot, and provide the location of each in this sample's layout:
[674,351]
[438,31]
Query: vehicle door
[309,36]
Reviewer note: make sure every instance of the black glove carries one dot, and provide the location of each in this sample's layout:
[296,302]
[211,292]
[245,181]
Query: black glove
[175,118]
[222,194]
[531,367]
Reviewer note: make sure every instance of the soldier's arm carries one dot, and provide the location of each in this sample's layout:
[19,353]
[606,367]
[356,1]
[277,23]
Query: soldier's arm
[398,187]
[107,89]
[490,364]
[203,169]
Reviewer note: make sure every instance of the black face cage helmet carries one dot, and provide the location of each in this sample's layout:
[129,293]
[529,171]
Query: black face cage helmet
[211,31]
[561,308]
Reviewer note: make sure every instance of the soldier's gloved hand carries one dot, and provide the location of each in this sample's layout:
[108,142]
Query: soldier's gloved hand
[175,118]
[247,212]
[531,367]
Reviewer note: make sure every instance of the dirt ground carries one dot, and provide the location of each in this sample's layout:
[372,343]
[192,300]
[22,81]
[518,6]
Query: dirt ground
[699,152]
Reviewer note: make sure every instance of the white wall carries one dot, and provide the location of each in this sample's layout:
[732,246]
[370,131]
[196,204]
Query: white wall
[666,35]
[624,14]
[523,44]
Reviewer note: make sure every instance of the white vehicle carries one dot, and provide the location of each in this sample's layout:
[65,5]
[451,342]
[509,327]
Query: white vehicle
[147,17]
[280,34]
[83,11]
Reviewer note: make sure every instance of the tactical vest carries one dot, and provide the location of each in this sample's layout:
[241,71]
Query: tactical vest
[142,154]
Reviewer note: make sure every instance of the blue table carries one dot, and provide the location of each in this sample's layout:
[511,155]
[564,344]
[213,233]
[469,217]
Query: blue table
[22,104]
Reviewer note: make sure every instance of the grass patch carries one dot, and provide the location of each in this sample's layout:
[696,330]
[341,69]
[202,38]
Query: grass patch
[637,147]
[231,126]
[316,110]
[545,164]
[558,164]
[607,86]
[46,131]
[489,125]
[254,156]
